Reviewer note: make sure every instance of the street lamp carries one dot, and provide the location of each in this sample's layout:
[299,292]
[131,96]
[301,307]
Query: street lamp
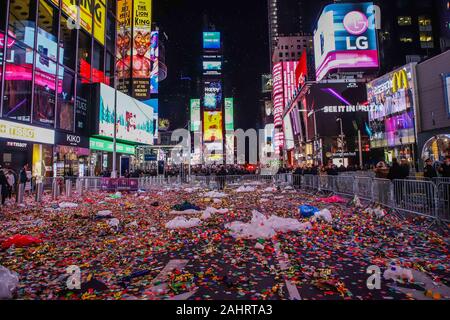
[342,136]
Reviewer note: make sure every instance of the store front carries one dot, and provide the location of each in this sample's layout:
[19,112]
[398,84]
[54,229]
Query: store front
[437,148]
[24,144]
[71,155]
[101,157]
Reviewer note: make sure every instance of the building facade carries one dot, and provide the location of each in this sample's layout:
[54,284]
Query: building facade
[53,68]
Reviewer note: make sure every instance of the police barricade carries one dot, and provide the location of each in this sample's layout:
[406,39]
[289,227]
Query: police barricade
[342,185]
[415,196]
[297,180]
[310,182]
[383,192]
[327,183]
[363,187]
[443,201]
[441,180]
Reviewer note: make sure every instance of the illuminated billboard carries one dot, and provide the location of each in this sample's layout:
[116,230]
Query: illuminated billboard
[196,120]
[135,119]
[278,96]
[211,40]
[123,47]
[213,95]
[392,93]
[345,38]
[87,11]
[212,68]
[213,128]
[229,114]
[154,57]
[142,51]
[288,133]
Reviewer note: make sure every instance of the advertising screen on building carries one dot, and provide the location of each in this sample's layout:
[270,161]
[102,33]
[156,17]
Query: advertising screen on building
[289,86]
[18,131]
[301,71]
[266,83]
[142,50]
[135,119]
[124,42]
[345,38]
[212,68]
[288,133]
[213,128]
[229,114]
[211,40]
[154,104]
[212,99]
[392,93]
[277,94]
[154,57]
[196,120]
[88,11]
[336,100]
[447,91]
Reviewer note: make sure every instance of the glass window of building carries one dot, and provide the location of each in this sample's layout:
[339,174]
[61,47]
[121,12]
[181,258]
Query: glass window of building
[426,40]
[67,43]
[66,99]
[83,100]
[109,69]
[404,21]
[3,20]
[44,91]
[425,23]
[18,79]
[84,54]
[98,74]
[110,32]
[22,20]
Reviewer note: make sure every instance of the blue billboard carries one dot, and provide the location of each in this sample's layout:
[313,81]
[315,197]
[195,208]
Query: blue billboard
[211,40]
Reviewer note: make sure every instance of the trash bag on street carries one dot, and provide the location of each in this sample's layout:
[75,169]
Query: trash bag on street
[307,211]
[20,241]
[9,280]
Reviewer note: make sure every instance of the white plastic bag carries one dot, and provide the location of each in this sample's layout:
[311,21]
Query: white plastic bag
[183,223]
[68,205]
[9,280]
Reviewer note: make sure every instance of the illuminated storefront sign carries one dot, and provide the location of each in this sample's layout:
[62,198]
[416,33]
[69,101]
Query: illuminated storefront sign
[108,146]
[392,93]
[345,38]
[18,131]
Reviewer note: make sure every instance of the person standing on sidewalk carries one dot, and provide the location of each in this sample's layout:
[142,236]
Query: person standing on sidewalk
[429,171]
[11,183]
[4,187]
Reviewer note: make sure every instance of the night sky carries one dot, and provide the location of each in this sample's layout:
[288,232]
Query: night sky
[243,24]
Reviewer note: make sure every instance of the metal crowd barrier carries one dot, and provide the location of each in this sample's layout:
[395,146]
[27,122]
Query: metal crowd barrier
[443,201]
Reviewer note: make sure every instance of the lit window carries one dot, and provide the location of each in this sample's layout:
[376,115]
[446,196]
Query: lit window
[406,39]
[404,21]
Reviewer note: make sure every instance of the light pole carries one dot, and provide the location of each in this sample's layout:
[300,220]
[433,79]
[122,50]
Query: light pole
[342,136]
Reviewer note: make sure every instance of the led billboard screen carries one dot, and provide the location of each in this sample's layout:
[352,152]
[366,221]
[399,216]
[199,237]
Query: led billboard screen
[345,38]
[213,128]
[229,114]
[392,93]
[135,119]
[195,115]
[288,133]
[211,40]
[213,95]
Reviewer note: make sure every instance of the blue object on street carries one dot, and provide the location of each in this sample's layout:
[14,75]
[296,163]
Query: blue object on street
[307,211]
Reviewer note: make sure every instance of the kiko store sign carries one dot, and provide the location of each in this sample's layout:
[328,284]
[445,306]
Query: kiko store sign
[72,140]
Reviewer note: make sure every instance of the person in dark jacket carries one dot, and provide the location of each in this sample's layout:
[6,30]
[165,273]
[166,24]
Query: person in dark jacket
[404,169]
[4,186]
[444,169]
[429,171]
[221,176]
[395,173]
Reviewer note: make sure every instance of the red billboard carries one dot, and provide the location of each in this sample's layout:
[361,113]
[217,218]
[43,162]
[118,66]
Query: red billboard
[301,71]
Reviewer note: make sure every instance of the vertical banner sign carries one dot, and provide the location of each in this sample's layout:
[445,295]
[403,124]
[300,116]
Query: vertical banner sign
[123,48]
[195,115]
[229,114]
[154,56]
[142,63]
[99,21]
[277,94]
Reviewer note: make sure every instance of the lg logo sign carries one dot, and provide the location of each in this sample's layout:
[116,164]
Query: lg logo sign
[357,23]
